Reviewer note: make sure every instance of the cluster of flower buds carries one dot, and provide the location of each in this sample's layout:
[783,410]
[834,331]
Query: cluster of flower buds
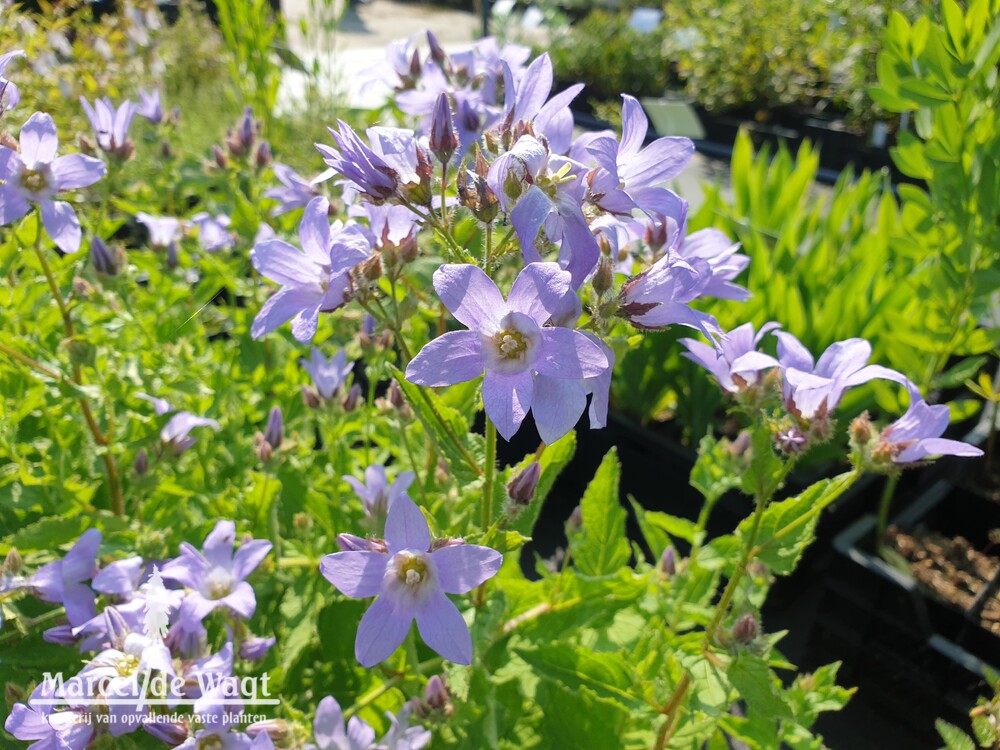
[268,441]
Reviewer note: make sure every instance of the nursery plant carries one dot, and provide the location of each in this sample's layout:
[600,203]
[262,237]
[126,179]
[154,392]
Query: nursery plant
[248,447]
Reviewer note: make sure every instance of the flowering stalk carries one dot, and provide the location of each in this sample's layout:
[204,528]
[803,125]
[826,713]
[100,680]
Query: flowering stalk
[110,464]
[884,504]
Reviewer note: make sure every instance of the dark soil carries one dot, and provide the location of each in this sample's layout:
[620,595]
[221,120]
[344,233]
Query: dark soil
[953,570]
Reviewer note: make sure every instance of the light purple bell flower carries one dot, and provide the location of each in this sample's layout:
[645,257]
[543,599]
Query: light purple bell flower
[36,175]
[62,581]
[631,176]
[411,580]
[203,675]
[814,388]
[213,231]
[164,231]
[331,734]
[724,260]
[176,433]
[917,434]
[295,191]
[376,492]
[150,106]
[734,359]
[527,100]
[507,339]
[216,576]
[314,279]
[111,125]
[46,728]
[328,375]
[377,171]
[10,95]
[660,296]
[219,712]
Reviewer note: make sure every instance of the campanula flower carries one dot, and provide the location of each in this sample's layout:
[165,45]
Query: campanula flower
[328,375]
[35,175]
[507,339]
[734,360]
[213,231]
[176,433]
[376,492]
[111,125]
[295,191]
[660,295]
[41,724]
[723,258]
[540,189]
[527,100]
[314,279]
[150,107]
[814,388]
[331,734]
[410,580]
[164,231]
[216,576]
[9,93]
[630,175]
[917,434]
[62,581]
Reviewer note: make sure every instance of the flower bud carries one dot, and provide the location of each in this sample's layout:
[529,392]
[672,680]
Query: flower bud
[166,150]
[275,428]
[353,543]
[746,629]
[861,430]
[13,694]
[353,399]
[118,629]
[219,156]
[81,352]
[262,157]
[444,138]
[522,486]
[438,54]
[6,139]
[255,648]
[141,464]
[302,521]
[394,395]
[575,521]
[61,635]
[791,441]
[106,261]
[12,562]
[311,397]
[170,732]
[371,268]
[82,288]
[604,276]
[668,562]
[277,729]
[262,448]
[436,693]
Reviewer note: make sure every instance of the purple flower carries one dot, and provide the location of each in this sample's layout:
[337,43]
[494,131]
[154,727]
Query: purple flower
[410,581]
[176,433]
[218,711]
[630,175]
[392,227]
[36,175]
[814,389]
[328,375]
[530,102]
[659,296]
[401,736]
[443,135]
[209,671]
[724,259]
[111,125]
[917,434]
[9,93]
[315,279]
[47,728]
[274,430]
[213,231]
[62,581]
[734,360]
[216,576]
[164,231]
[253,649]
[540,189]
[330,733]
[377,493]
[507,339]
[392,161]
[296,190]
[150,107]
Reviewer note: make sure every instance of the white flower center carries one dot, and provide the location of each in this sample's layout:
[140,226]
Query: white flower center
[512,348]
[410,571]
[127,665]
[218,583]
[35,183]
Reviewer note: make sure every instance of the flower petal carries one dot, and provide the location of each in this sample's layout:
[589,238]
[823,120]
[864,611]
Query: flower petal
[280,307]
[381,631]
[284,264]
[936,447]
[12,204]
[80,562]
[507,399]
[242,600]
[218,546]
[443,628]
[527,218]
[249,556]
[314,230]
[539,291]
[77,171]
[406,527]
[39,141]
[462,567]
[569,354]
[328,726]
[357,574]
[455,357]
[470,295]
[557,406]
[634,126]
[62,225]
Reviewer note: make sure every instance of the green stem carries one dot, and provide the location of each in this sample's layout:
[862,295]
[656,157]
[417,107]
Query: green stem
[885,503]
[32,363]
[489,471]
[444,195]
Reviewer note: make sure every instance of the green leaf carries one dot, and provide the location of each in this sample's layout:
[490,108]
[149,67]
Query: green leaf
[954,738]
[607,675]
[716,471]
[446,427]
[602,548]
[763,476]
[579,721]
[751,676]
[787,527]
[924,93]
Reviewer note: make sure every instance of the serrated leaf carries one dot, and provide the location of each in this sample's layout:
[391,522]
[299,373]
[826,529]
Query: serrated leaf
[751,676]
[761,479]
[602,547]
[954,738]
[607,675]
